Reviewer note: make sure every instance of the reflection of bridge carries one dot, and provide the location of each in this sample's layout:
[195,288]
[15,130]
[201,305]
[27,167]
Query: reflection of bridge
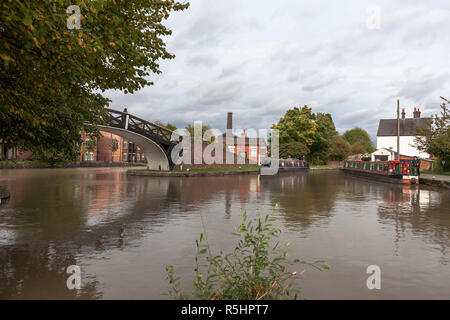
[154,140]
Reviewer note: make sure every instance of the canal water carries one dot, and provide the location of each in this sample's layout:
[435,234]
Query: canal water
[122,231]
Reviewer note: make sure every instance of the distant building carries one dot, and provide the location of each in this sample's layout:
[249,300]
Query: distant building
[127,151]
[254,149]
[387,134]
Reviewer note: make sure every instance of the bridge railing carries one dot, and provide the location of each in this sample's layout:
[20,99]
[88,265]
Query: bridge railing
[127,121]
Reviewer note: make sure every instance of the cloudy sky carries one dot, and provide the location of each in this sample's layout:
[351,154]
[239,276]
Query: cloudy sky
[259,58]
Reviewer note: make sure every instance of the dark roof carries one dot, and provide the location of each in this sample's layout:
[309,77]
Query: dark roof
[408,127]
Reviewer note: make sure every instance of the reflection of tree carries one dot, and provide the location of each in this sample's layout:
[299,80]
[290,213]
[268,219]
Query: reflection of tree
[50,207]
[420,211]
[60,214]
[303,198]
[38,271]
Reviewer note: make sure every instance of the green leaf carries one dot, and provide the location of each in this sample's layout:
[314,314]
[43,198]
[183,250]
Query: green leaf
[27,20]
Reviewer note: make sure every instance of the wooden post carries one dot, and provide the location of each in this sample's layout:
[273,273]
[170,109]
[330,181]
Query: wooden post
[398,129]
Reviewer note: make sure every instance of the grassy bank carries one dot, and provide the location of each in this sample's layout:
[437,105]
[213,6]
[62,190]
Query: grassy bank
[445,173]
[255,168]
[38,164]
[251,168]
[325,166]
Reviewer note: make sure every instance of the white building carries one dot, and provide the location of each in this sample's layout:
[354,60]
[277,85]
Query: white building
[387,134]
[383,154]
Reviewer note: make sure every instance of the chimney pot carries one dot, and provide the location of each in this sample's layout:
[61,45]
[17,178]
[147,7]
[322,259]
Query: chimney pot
[416,113]
[403,113]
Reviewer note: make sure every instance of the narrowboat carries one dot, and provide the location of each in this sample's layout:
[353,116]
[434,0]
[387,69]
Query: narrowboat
[285,164]
[404,171]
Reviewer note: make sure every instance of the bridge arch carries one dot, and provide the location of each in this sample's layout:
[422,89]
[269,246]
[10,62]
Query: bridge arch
[155,155]
[155,141]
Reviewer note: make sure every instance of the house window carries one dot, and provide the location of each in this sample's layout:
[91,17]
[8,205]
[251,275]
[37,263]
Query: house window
[89,156]
[125,145]
[125,157]
[231,149]
[253,152]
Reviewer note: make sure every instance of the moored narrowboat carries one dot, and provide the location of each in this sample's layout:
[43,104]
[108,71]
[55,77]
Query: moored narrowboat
[286,164]
[391,171]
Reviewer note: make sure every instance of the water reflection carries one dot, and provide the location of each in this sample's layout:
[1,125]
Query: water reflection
[38,271]
[298,196]
[412,210]
[417,211]
[56,218]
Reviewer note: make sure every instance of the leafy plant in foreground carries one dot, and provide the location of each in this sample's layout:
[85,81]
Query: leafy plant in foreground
[256,269]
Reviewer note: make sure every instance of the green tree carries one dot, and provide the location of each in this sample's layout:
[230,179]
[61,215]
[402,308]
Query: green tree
[51,77]
[90,144]
[114,145]
[340,148]
[357,148]
[293,149]
[435,138]
[171,127]
[297,125]
[361,136]
[321,147]
[312,131]
[190,128]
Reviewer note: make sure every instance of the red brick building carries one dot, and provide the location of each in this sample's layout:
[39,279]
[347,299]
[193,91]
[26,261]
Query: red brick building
[125,150]
[254,149]
[100,150]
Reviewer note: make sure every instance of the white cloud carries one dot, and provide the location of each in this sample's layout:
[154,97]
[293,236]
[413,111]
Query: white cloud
[258,58]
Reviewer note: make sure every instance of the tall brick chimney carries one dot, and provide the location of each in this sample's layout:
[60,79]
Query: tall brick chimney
[229,121]
[403,113]
[416,113]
